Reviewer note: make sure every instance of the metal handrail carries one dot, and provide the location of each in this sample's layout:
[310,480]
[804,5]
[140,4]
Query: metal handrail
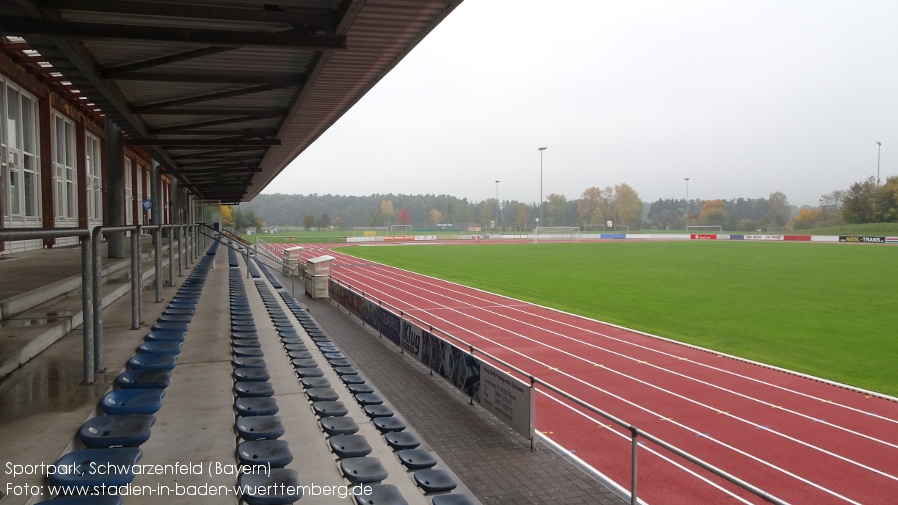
[635,432]
[87,307]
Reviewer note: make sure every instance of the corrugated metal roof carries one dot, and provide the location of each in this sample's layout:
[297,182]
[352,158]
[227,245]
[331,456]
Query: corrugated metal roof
[254,83]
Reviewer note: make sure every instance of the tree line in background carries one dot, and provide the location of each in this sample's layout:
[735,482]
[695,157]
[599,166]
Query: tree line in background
[863,202]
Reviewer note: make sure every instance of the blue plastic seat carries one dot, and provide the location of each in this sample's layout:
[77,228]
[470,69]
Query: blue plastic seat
[357,389]
[259,406]
[315,382]
[322,394]
[300,355]
[380,494]
[152,362]
[176,311]
[349,446]
[304,363]
[172,335]
[248,362]
[326,348]
[434,481]
[338,362]
[352,379]
[253,389]
[259,427]
[282,479]
[332,355]
[377,411]
[132,401]
[399,440]
[160,347]
[175,318]
[308,372]
[118,462]
[387,424]
[416,459]
[292,340]
[346,370]
[248,352]
[453,499]
[343,425]
[246,342]
[251,374]
[112,431]
[365,399]
[365,470]
[264,452]
[296,347]
[143,379]
[171,325]
[329,408]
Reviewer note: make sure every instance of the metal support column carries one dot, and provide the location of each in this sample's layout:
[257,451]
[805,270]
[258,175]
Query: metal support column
[87,307]
[136,283]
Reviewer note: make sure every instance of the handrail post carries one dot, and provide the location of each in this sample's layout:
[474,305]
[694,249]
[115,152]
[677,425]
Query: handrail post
[87,307]
[171,255]
[97,281]
[157,239]
[135,279]
[634,468]
[180,252]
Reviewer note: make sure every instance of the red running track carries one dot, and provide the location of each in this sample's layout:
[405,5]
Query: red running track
[804,441]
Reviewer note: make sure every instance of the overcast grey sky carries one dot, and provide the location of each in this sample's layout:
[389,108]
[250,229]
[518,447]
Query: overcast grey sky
[743,97]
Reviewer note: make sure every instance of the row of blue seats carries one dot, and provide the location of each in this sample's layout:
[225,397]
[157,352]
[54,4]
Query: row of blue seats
[351,449]
[258,428]
[251,266]
[114,438]
[275,283]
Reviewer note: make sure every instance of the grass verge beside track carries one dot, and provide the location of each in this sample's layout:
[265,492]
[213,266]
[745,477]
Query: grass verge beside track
[824,309]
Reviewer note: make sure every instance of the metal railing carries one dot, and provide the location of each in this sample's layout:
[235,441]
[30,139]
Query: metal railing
[635,432]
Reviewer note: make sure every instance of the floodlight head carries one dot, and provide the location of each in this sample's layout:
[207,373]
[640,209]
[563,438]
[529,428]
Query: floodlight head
[879,143]
[543,148]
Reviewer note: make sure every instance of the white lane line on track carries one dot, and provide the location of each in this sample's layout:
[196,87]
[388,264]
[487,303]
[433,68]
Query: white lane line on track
[650,349]
[602,424]
[640,407]
[674,372]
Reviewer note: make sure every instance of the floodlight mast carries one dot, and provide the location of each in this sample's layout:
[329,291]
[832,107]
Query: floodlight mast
[541,149]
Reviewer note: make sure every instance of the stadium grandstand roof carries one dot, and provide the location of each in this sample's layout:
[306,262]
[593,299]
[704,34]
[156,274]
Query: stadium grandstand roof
[223,93]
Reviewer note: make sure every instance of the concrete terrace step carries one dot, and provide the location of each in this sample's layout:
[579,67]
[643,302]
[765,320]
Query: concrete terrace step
[34,319]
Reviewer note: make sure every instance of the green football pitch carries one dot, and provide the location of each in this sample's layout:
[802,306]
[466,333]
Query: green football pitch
[830,310]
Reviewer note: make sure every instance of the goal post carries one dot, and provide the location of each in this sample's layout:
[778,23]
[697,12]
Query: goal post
[569,233]
[404,228]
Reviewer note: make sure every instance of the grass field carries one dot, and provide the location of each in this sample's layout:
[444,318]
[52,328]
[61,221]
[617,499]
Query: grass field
[824,309]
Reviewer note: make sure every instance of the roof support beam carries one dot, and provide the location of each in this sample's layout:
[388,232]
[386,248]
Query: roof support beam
[226,78]
[112,72]
[203,142]
[214,122]
[140,109]
[228,38]
[319,18]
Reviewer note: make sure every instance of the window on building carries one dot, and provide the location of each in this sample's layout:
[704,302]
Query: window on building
[65,195]
[129,196]
[19,148]
[94,178]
